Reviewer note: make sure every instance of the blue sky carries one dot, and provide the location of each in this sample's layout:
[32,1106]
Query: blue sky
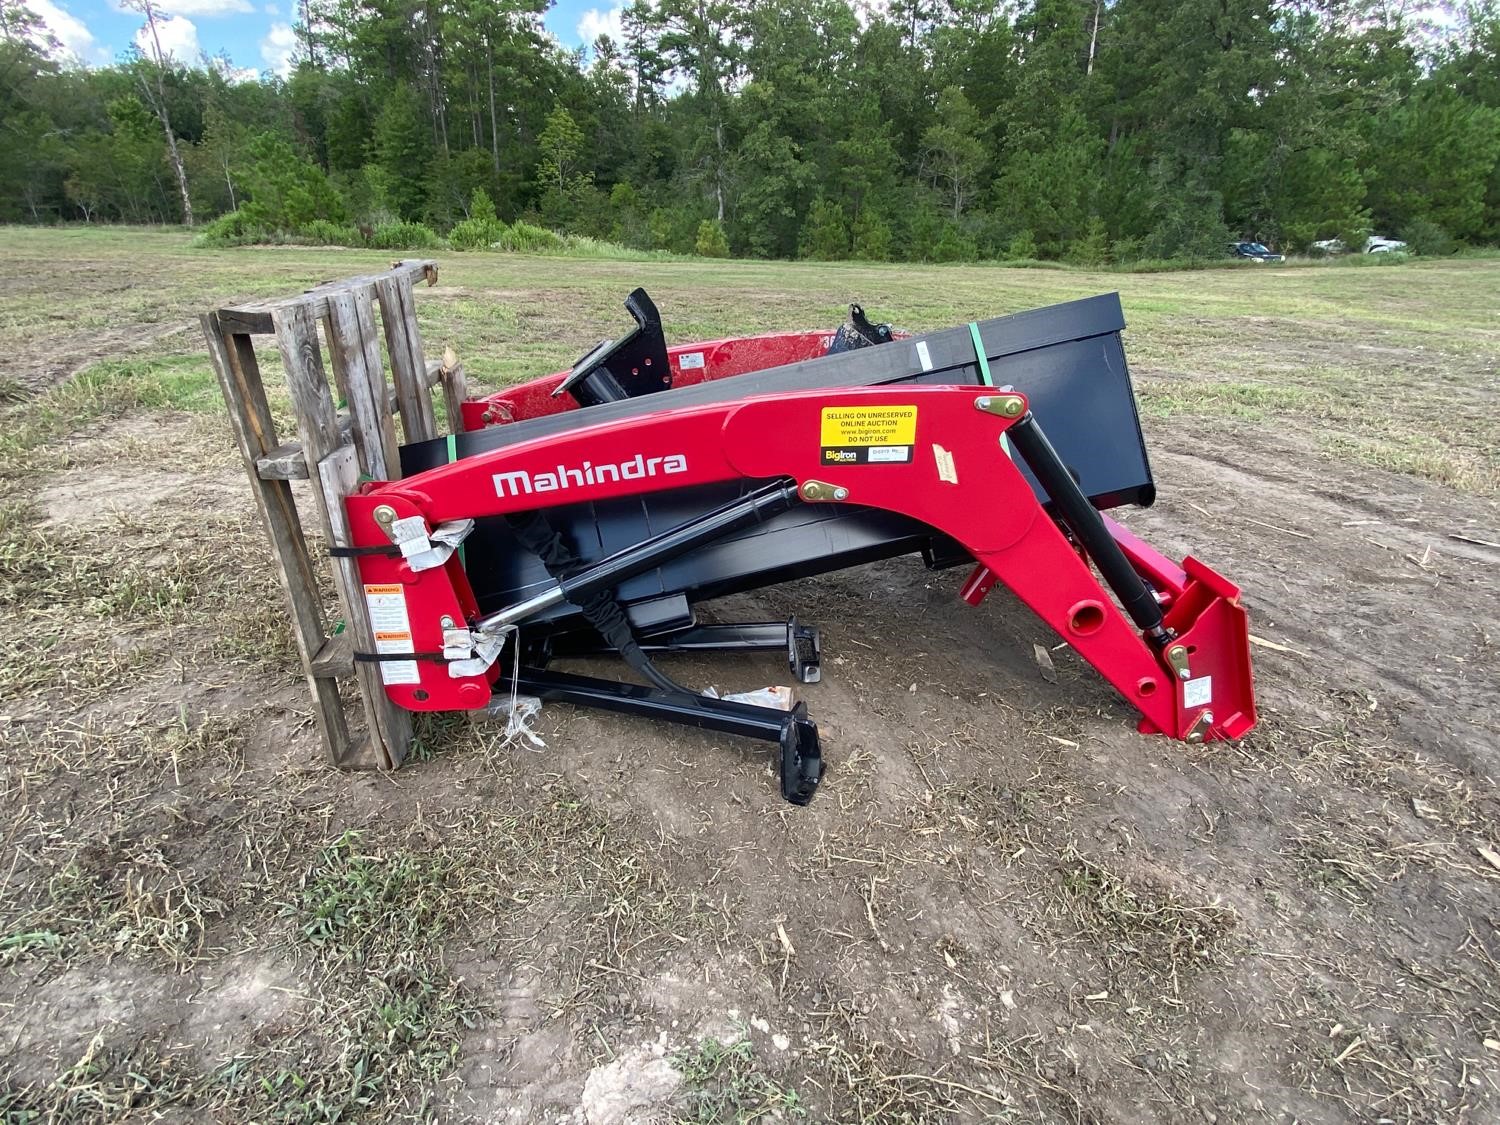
[255,34]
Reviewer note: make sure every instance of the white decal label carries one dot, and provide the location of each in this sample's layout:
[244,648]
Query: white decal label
[924,356]
[1199,692]
[410,535]
[947,471]
[386,603]
[889,453]
[689,360]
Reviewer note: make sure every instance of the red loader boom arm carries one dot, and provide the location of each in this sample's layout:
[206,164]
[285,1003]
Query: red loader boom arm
[1177,651]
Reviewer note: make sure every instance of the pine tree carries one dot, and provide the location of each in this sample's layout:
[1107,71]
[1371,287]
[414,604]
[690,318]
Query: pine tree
[404,151]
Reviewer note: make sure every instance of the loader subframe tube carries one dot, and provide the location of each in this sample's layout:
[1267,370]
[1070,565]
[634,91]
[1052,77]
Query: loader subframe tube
[1088,526]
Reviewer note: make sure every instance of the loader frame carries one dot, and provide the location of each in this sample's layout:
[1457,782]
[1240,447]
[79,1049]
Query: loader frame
[1171,639]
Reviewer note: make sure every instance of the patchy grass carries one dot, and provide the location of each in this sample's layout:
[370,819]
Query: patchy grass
[1152,927]
[1004,905]
[725,1085]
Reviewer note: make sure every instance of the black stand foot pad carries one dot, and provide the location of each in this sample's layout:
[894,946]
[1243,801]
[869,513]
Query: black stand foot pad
[801,757]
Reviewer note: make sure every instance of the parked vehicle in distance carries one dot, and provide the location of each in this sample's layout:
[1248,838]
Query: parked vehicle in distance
[1254,251]
[1379,245]
[1329,246]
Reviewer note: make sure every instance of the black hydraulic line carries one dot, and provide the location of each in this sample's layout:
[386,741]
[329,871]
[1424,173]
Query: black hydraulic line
[601,611]
[590,587]
[650,553]
[1087,525]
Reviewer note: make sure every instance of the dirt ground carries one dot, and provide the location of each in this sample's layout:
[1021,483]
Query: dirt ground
[1004,904]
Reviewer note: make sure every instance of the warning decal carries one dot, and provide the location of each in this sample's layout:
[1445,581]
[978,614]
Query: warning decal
[868,435]
[388,618]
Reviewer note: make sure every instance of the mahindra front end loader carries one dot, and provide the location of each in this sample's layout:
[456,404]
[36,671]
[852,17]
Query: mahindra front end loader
[591,511]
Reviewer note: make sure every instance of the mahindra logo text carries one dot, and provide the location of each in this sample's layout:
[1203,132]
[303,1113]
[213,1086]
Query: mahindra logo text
[521,482]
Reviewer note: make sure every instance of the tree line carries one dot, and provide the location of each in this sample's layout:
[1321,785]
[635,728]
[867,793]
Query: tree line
[1084,130]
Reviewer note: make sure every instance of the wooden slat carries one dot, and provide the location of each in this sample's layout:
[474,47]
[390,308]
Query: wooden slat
[381,393]
[455,391]
[390,726]
[318,429]
[317,419]
[234,363]
[335,660]
[259,317]
[285,462]
[404,345]
[359,384]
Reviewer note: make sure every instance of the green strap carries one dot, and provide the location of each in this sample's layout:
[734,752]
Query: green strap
[985,377]
[452,457]
[984,363]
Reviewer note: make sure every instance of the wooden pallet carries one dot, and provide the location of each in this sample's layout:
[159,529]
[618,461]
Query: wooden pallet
[365,322]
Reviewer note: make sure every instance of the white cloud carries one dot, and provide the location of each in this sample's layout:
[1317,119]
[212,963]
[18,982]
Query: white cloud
[278,47]
[208,8]
[224,65]
[76,39]
[594,23]
[178,36]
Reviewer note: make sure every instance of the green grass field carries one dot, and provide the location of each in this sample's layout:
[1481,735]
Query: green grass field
[1379,362]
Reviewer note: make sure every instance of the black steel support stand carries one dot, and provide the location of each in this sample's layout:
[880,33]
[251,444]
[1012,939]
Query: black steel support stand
[801,761]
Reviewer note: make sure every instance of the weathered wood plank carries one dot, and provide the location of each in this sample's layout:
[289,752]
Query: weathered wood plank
[455,391]
[234,363]
[337,366]
[335,660]
[285,462]
[348,349]
[318,430]
[404,345]
[380,392]
[317,419]
[389,725]
[258,317]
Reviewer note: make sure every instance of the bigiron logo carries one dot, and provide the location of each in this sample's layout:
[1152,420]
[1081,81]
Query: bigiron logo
[520,482]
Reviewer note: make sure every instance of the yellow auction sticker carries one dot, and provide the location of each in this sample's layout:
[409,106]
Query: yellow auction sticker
[845,426]
[868,435]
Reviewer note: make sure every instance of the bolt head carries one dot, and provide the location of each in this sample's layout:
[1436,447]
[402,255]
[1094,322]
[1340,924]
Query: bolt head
[841,494]
[445,622]
[385,514]
[982,403]
[1207,717]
